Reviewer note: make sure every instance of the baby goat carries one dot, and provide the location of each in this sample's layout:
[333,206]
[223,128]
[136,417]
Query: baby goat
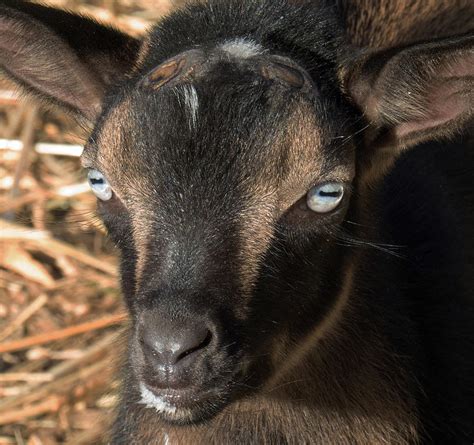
[294,273]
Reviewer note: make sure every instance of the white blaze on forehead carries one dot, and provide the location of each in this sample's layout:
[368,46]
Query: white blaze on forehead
[150,400]
[192,102]
[190,98]
[242,48]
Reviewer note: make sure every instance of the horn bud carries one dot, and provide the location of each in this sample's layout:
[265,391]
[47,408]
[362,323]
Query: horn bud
[174,70]
[165,72]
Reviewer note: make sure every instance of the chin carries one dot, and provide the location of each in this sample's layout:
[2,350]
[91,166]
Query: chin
[184,407]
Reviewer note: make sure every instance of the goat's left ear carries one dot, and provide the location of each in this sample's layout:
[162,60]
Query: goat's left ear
[414,94]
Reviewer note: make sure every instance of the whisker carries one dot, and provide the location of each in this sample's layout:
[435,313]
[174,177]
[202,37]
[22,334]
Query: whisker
[351,241]
[282,385]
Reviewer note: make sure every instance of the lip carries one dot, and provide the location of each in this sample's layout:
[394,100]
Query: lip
[172,399]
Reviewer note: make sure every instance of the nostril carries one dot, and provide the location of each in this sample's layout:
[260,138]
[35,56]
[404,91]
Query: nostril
[166,345]
[202,345]
[148,348]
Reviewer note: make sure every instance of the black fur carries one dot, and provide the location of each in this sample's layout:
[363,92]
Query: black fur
[354,326]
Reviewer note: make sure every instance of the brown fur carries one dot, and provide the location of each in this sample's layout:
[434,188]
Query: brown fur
[388,23]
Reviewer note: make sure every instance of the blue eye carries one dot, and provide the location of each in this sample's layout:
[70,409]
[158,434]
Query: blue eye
[99,185]
[325,198]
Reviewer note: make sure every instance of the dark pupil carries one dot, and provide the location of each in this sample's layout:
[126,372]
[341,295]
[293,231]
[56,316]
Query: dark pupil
[96,181]
[330,194]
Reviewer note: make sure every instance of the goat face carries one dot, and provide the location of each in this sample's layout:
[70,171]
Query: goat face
[210,173]
[224,173]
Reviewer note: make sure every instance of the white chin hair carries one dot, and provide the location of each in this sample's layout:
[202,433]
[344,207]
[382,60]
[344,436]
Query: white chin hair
[150,400]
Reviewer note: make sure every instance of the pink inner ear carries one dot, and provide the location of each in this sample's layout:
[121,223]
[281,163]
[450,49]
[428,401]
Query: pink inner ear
[444,103]
[449,97]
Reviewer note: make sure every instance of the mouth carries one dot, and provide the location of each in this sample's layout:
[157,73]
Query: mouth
[170,400]
[185,406]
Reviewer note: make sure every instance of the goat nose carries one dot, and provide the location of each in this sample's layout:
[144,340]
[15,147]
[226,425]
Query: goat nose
[164,346]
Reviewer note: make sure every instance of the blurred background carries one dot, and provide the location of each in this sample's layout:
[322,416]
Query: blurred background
[61,315]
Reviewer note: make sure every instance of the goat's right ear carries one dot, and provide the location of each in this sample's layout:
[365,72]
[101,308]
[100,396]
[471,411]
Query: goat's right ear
[417,93]
[65,59]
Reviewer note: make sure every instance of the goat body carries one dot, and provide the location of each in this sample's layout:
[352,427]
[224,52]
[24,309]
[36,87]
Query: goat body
[225,135]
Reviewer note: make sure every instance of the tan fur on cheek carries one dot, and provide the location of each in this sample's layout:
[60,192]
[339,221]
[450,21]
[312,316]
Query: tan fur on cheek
[256,236]
[301,167]
[140,237]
